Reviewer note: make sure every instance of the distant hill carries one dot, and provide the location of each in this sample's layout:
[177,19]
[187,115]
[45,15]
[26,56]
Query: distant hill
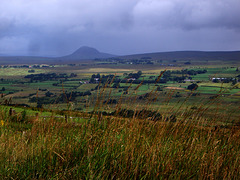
[83,53]
[24,60]
[188,55]
[86,53]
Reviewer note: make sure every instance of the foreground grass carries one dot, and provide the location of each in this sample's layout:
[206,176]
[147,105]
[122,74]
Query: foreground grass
[184,142]
[118,148]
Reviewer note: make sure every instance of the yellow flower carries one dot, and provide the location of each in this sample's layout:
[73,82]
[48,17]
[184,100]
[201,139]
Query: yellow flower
[2,123]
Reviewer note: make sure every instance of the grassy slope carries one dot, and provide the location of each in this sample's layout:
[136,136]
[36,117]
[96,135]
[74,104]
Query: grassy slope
[115,147]
[204,142]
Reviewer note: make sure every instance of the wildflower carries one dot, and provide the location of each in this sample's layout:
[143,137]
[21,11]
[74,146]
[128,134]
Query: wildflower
[2,123]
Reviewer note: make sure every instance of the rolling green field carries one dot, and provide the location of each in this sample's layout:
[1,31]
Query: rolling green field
[21,89]
[120,122]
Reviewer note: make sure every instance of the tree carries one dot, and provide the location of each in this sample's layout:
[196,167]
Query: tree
[178,95]
[73,75]
[139,73]
[159,88]
[116,85]
[98,76]
[234,81]
[192,87]
[39,105]
[31,71]
[48,94]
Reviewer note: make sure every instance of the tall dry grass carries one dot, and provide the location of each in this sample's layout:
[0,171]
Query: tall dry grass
[119,147]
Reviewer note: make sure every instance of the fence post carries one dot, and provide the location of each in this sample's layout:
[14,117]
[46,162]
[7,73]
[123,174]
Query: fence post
[10,112]
[37,116]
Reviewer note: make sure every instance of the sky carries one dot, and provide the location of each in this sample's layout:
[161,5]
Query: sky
[120,27]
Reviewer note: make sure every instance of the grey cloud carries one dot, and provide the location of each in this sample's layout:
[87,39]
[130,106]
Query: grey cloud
[117,26]
[186,14]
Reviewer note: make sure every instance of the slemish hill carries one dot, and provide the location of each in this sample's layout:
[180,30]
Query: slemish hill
[85,53]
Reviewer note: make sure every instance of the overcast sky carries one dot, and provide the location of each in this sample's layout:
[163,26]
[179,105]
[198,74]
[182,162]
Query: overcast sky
[59,27]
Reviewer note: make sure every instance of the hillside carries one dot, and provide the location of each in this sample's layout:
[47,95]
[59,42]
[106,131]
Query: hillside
[188,55]
[80,146]
[86,53]
[83,53]
[88,122]
[24,60]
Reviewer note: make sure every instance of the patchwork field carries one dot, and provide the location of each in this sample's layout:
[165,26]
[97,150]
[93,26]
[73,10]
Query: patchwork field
[88,83]
[96,121]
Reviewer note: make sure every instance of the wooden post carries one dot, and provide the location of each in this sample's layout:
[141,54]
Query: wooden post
[37,116]
[10,112]
[66,118]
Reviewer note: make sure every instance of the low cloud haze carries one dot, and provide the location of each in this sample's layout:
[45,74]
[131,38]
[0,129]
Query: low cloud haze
[59,27]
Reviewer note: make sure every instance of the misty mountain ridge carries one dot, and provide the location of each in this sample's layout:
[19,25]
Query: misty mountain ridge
[188,55]
[89,53]
[85,53]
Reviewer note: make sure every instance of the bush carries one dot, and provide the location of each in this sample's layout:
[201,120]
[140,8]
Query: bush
[192,87]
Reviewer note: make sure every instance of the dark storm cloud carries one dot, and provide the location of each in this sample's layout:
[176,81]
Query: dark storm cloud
[58,27]
[189,14]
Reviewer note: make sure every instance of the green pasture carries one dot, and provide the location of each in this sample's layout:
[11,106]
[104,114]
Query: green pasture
[201,77]
[48,85]
[28,111]
[86,87]
[6,85]
[212,84]
[19,71]
[216,90]
[71,83]
[171,95]
[42,85]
